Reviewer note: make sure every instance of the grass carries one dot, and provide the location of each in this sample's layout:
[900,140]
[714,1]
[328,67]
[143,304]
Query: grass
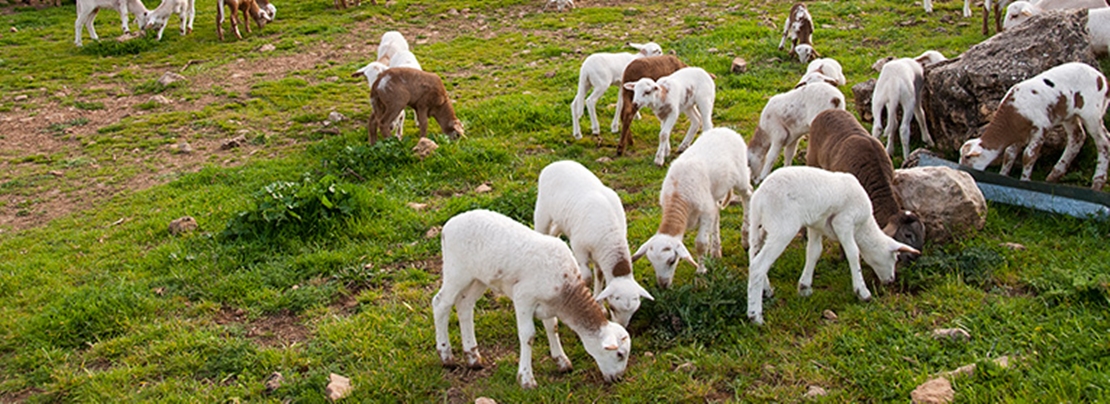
[309,259]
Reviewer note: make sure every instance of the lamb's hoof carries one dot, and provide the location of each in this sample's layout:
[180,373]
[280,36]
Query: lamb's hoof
[805,290]
[563,364]
[756,318]
[701,270]
[473,359]
[527,382]
[864,294]
[1053,177]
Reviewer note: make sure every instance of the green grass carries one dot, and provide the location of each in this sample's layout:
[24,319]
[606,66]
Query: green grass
[309,259]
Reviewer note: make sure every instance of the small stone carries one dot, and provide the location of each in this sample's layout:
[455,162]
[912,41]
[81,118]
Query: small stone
[332,79]
[295,287]
[711,50]
[1013,246]
[183,225]
[14,29]
[952,334]
[417,206]
[160,99]
[829,315]
[483,188]
[484,400]
[57,173]
[603,160]
[424,147]
[433,232]
[815,391]
[159,291]
[184,147]
[170,78]
[338,387]
[274,382]
[234,142]
[21,97]
[549,74]
[267,48]
[935,391]
[687,367]
[334,117]
[739,65]
[453,12]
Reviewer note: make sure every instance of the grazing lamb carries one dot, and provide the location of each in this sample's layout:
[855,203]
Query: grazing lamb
[690,90]
[559,4]
[256,9]
[403,58]
[574,202]
[899,86]
[997,7]
[1020,11]
[599,71]
[783,122]
[1066,95]
[1098,26]
[799,29]
[87,9]
[159,17]
[483,250]
[837,142]
[392,43]
[400,87]
[699,183]
[654,68]
[825,69]
[827,204]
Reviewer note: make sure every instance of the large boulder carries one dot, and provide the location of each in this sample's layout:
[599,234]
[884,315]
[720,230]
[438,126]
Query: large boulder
[947,200]
[963,93]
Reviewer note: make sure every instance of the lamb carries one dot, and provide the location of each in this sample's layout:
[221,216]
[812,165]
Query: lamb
[1098,26]
[87,9]
[392,43]
[574,202]
[399,87]
[256,9]
[599,71]
[1066,95]
[987,7]
[825,69]
[827,204]
[837,142]
[699,183]
[799,29]
[483,250]
[689,90]
[559,4]
[1020,11]
[159,17]
[899,86]
[403,58]
[783,122]
[654,67]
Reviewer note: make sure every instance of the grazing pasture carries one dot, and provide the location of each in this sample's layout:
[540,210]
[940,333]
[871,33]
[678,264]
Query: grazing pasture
[317,253]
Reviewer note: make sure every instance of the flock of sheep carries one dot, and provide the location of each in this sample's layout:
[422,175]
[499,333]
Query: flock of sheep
[262,11]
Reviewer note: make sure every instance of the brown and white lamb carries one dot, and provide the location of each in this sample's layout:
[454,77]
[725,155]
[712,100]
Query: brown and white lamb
[400,87]
[650,67]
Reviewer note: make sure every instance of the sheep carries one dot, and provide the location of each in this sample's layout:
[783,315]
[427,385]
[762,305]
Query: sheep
[403,58]
[256,9]
[899,85]
[1098,27]
[399,87]
[391,44]
[87,9]
[482,250]
[799,29]
[599,71]
[1065,95]
[654,67]
[1020,11]
[159,17]
[783,122]
[699,183]
[559,4]
[574,202]
[837,142]
[825,69]
[827,204]
[690,90]
[987,8]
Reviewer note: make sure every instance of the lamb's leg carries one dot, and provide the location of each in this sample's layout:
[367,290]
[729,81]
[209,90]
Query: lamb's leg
[626,112]
[1009,156]
[845,232]
[665,139]
[888,131]
[123,17]
[422,121]
[220,19]
[1074,143]
[758,282]
[441,314]
[591,106]
[551,325]
[1101,136]
[464,305]
[247,21]
[616,125]
[695,123]
[708,241]
[192,14]
[908,111]
[576,106]
[1032,152]
[398,125]
[919,114]
[928,6]
[184,21]
[813,253]
[772,154]
[235,24]
[82,17]
[745,192]
[526,331]
[790,149]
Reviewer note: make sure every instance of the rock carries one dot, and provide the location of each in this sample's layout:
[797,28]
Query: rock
[957,90]
[267,48]
[234,142]
[687,367]
[1013,246]
[603,160]
[861,94]
[184,147]
[424,147]
[484,400]
[739,65]
[935,391]
[13,29]
[170,78]
[969,370]
[57,173]
[274,382]
[183,225]
[21,97]
[332,79]
[947,201]
[417,206]
[815,391]
[334,117]
[829,315]
[483,188]
[952,334]
[878,65]
[549,74]
[160,99]
[433,232]
[127,36]
[338,387]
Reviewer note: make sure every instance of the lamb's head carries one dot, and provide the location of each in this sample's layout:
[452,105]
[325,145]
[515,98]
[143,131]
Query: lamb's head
[453,129]
[1017,12]
[929,57]
[906,228]
[664,251]
[610,348]
[645,92]
[757,151]
[150,21]
[878,65]
[806,52]
[647,49]
[624,296]
[370,71]
[271,11]
[883,256]
[972,154]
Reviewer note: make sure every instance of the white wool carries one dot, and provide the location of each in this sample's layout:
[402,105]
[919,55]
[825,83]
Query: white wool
[599,71]
[690,90]
[783,122]
[86,13]
[900,84]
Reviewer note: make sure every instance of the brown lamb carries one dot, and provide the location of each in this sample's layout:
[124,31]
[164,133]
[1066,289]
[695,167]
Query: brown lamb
[253,7]
[650,67]
[837,142]
[400,87]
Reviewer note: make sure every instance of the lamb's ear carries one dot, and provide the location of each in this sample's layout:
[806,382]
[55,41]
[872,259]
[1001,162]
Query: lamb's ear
[630,86]
[637,46]
[902,248]
[610,342]
[685,255]
[976,150]
[1026,13]
[643,292]
[640,253]
[605,293]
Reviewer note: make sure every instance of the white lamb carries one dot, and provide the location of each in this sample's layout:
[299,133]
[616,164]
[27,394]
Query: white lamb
[393,51]
[899,86]
[87,9]
[783,122]
[599,71]
[159,17]
[825,69]
[483,250]
[699,183]
[827,204]
[1019,11]
[391,44]
[690,90]
[574,202]
[967,7]
[1068,94]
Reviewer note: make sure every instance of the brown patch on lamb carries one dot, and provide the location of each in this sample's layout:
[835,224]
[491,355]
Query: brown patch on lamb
[676,213]
[1059,110]
[1007,127]
[1078,101]
[576,305]
[622,268]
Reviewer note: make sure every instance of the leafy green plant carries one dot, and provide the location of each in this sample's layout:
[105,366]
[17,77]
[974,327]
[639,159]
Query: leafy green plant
[304,209]
[695,311]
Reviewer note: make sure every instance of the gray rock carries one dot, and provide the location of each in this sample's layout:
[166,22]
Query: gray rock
[935,391]
[183,225]
[739,65]
[947,201]
[170,78]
